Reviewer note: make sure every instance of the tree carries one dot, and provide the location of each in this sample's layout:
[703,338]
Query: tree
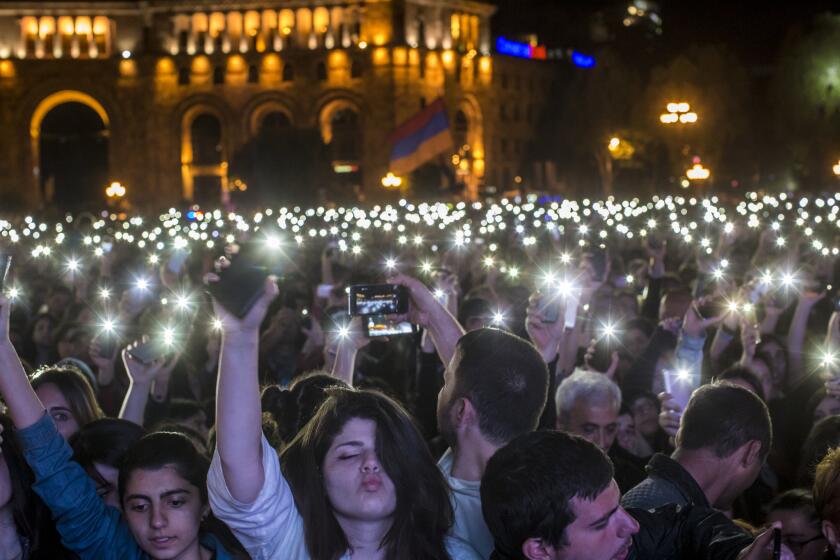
[716,85]
[806,101]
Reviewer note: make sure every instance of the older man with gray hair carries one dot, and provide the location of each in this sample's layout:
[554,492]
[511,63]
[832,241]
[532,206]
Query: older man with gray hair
[588,404]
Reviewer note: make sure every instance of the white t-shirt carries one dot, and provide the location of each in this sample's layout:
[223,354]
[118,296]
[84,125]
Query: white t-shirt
[466,501]
[270,528]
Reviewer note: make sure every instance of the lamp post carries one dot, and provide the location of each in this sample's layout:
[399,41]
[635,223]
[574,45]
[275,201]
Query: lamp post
[678,112]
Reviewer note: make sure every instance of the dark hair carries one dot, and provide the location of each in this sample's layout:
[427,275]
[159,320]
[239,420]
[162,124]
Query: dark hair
[423,513]
[473,307]
[505,379]
[797,499]
[723,417]
[75,388]
[824,435]
[31,516]
[105,441]
[159,449]
[292,408]
[181,409]
[742,373]
[529,483]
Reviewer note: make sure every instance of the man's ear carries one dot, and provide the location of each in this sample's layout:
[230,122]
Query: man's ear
[465,413]
[537,549]
[751,453]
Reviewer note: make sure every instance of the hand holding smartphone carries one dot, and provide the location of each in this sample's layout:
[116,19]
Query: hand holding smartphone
[680,385]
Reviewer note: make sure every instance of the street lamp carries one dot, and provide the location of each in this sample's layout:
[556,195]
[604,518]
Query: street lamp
[115,190]
[697,172]
[678,112]
[391,181]
[836,168]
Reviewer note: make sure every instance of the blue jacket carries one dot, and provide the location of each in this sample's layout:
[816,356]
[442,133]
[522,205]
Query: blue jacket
[87,526]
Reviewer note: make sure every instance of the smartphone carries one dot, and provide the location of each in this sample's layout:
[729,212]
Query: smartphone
[680,386]
[599,263]
[777,544]
[550,309]
[323,291]
[149,350]
[240,285]
[572,302]
[379,326]
[378,299]
[5,265]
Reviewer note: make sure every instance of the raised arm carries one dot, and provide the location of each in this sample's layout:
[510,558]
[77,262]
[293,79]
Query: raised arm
[426,311]
[141,376]
[238,412]
[343,343]
[796,335]
[24,407]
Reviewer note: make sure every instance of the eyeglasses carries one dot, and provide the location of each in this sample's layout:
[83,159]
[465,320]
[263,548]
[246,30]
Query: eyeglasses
[796,547]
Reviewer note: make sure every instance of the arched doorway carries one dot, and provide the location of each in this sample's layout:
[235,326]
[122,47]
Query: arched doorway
[70,132]
[204,156]
[341,131]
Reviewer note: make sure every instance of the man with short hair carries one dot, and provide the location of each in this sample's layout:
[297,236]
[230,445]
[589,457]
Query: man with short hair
[588,404]
[495,388]
[551,496]
[723,440]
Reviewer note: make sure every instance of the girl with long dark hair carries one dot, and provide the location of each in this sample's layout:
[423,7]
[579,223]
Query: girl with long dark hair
[357,481]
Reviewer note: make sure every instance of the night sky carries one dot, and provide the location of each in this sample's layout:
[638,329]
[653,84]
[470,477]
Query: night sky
[752,28]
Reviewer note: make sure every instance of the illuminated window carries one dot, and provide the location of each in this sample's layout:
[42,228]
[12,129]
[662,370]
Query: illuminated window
[456,27]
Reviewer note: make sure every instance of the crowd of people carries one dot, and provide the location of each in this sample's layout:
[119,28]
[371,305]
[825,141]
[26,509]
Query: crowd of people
[579,381]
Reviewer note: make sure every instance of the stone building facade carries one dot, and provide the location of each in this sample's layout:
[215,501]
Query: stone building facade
[158,73]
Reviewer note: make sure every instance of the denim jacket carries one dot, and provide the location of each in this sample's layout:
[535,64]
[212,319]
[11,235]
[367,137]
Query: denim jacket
[87,526]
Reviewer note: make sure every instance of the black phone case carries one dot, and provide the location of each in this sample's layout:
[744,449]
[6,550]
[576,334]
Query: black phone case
[239,286]
[146,352]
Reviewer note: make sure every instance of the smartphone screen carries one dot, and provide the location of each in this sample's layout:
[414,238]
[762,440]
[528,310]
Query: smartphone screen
[680,385]
[572,302]
[378,326]
[378,299]
[550,309]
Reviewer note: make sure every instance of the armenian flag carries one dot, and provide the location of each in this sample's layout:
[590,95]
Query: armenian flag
[420,138]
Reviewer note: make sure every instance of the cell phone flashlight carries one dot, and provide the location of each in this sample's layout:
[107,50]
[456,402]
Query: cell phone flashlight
[680,385]
[572,302]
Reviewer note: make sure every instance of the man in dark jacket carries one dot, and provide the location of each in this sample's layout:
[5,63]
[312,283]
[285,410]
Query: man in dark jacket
[551,496]
[725,435]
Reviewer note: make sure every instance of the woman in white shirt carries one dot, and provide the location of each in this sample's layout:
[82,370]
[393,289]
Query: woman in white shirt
[357,483]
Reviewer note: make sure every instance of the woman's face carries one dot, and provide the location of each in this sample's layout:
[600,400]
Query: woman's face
[42,333]
[803,538]
[356,484]
[645,415]
[626,432]
[775,357]
[829,406]
[164,512]
[58,407]
[109,490]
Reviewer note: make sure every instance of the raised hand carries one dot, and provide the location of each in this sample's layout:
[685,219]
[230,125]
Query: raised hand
[694,324]
[670,415]
[250,323]
[545,336]
[422,304]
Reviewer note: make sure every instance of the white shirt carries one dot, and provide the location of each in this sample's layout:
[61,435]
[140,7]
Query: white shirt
[466,501]
[271,528]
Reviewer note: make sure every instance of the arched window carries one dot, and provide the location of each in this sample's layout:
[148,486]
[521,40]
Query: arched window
[206,135]
[346,135]
[460,129]
[275,120]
